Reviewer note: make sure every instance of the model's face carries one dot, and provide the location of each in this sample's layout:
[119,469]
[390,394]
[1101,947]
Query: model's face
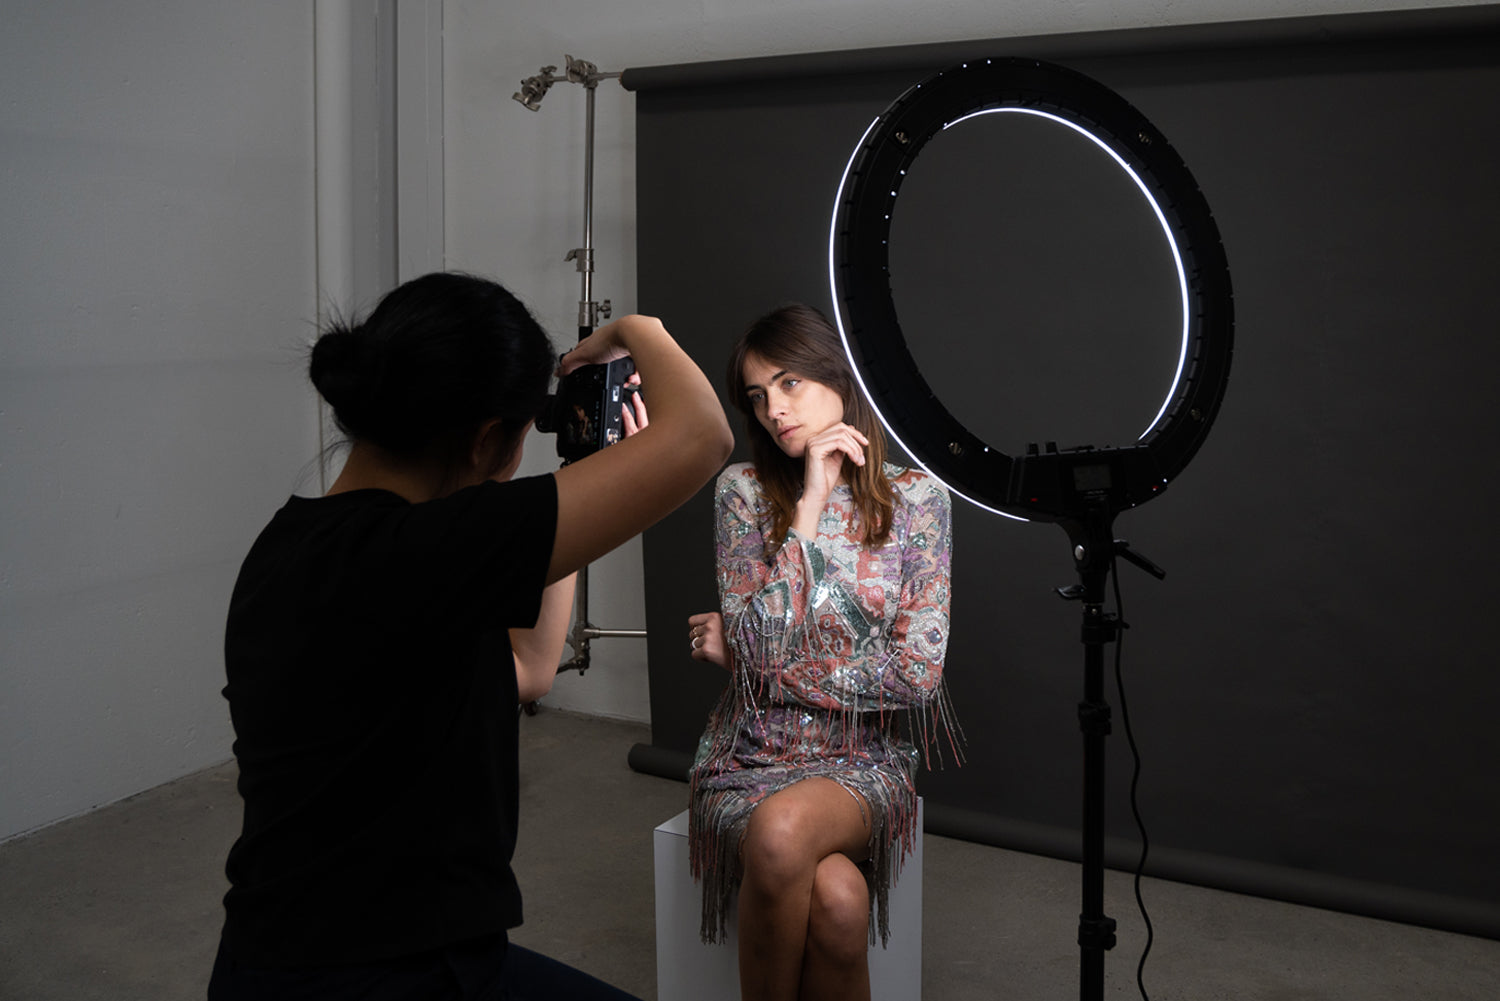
[791,408]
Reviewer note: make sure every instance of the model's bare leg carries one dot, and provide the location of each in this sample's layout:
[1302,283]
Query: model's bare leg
[836,964]
[788,838]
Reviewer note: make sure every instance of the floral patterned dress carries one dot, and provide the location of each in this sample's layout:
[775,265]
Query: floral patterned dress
[837,672]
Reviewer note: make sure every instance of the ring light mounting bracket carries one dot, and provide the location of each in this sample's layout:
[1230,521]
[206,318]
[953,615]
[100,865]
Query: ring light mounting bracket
[1046,483]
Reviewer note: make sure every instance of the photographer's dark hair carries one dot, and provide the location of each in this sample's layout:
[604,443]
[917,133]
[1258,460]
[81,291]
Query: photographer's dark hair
[439,356]
[800,339]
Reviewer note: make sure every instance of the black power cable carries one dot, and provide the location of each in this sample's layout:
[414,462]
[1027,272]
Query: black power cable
[1135,779]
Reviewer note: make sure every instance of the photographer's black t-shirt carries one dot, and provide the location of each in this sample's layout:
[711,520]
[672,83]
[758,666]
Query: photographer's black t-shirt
[373,694]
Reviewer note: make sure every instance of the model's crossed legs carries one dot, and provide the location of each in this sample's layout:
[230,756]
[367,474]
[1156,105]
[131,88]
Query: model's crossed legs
[804,907]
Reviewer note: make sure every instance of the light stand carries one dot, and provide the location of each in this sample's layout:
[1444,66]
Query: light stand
[1094,552]
[1081,489]
[533,89]
[590,312]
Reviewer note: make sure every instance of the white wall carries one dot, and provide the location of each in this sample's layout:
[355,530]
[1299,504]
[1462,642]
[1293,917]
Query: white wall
[515,179]
[157,278]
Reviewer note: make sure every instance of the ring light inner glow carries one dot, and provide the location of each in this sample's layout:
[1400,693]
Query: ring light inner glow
[1161,219]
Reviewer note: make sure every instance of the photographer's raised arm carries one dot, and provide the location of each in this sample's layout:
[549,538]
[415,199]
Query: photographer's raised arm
[618,492]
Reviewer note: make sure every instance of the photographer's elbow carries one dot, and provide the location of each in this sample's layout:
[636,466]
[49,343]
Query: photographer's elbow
[725,440]
[530,690]
[703,445]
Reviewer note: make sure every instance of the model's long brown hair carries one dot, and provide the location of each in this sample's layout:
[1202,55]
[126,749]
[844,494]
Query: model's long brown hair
[800,339]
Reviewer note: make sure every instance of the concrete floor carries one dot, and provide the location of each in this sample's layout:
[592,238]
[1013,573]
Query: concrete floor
[124,903]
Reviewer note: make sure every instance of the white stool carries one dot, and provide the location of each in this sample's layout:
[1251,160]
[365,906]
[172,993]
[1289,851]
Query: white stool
[689,970]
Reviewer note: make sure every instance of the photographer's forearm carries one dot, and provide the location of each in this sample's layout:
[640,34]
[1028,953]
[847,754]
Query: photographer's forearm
[620,491]
[538,651]
[679,391]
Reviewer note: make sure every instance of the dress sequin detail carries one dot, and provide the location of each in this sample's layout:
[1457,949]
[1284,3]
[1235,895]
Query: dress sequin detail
[837,672]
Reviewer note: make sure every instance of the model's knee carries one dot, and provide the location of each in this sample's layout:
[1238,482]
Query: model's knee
[839,919]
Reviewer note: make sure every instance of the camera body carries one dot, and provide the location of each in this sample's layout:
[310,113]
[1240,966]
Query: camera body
[586,412]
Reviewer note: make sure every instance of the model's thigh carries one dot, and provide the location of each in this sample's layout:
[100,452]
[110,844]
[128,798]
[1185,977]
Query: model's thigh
[813,818]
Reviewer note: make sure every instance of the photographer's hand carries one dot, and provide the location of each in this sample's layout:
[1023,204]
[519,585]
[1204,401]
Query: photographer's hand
[634,414]
[607,343]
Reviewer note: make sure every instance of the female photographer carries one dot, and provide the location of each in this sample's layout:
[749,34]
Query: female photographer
[375,636]
[833,572]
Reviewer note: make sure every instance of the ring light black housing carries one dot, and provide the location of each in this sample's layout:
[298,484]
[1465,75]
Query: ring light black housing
[1046,483]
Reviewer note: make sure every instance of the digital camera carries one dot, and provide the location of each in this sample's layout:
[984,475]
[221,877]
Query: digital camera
[586,412]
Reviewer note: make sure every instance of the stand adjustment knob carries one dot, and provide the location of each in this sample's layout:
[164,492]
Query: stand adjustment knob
[1096,933]
[1094,718]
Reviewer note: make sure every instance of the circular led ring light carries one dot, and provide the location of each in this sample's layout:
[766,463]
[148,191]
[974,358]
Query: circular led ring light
[1050,485]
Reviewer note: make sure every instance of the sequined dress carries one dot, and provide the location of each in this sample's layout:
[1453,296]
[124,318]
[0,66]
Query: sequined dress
[838,672]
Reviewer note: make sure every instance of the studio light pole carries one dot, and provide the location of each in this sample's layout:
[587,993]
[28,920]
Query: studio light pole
[590,313]
[1081,488]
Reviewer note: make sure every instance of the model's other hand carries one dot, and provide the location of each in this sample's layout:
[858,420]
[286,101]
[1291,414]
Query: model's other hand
[706,638]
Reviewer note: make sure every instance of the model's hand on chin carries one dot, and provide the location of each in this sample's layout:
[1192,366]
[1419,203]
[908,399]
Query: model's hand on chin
[823,466]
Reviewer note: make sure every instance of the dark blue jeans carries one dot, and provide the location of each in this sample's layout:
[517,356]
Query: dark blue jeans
[488,970]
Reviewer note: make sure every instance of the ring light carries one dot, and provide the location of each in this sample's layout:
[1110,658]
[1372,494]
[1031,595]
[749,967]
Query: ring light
[1047,483]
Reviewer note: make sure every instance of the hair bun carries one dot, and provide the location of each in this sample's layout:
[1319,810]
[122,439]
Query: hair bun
[346,371]
[437,357]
